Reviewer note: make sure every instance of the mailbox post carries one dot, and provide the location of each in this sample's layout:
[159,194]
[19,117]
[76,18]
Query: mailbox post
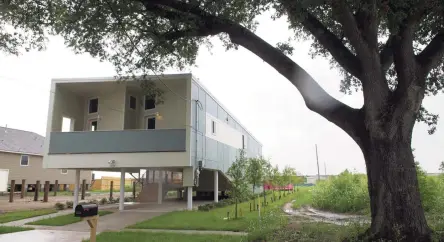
[90,213]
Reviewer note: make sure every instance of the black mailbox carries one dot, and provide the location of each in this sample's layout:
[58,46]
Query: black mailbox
[86,210]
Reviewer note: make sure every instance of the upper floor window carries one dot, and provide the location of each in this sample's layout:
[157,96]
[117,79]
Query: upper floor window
[151,123]
[243,142]
[213,127]
[150,103]
[64,171]
[132,102]
[93,106]
[24,160]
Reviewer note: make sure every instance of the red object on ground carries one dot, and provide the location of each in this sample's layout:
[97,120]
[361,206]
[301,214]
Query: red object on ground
[268,187]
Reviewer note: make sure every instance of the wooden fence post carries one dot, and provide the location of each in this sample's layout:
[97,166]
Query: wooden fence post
[36,192]
[46,192]
[111,190]
[24,189]
[83,189]
[56,187]
[11,191]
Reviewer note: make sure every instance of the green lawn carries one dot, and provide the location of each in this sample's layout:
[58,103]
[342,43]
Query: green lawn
[212,220]
[165,237]
[23,214]
[63,220]
[8,229]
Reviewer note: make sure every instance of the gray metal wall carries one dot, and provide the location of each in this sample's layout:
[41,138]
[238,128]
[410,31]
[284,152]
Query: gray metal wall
[216,155]
[124,141]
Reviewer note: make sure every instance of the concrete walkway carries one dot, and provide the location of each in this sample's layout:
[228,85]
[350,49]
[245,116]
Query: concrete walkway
[44,236]
[52,215]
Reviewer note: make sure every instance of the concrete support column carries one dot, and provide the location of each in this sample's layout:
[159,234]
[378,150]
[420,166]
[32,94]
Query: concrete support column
[122,189]
[160,188]
[216,186]
[190,198]
[76,188]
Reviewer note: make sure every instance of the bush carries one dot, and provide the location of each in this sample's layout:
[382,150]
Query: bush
[103,201]
[69,204]
[94,201]
[59,206]
[345,193]
[432,191]
[129,199]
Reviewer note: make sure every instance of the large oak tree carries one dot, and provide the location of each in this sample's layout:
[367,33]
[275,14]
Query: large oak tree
[390,49]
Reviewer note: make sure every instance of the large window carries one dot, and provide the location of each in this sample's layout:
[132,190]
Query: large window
[150,103]
[132,102]
[151,123]
[93,106]
[24,160]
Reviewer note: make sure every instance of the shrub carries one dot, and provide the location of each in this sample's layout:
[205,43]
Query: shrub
[432,191]
[69,204]
[103,201]
[59,206]
[128,199]
[346,192]
[94,201]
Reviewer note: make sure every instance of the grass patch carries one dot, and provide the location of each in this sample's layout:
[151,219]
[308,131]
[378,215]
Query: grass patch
[24,214]
[213,219]
[303,197]
[164,237]
[63,220]
[12,229]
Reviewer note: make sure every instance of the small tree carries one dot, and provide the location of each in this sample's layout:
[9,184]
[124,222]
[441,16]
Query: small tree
[274,179]
[441,167]
[267,176]
[255,173]
[237,173]
[288,174]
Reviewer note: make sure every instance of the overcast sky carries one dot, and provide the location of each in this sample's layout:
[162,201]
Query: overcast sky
[265,102]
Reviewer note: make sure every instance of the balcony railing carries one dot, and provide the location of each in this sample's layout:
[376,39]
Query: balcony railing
[123,141]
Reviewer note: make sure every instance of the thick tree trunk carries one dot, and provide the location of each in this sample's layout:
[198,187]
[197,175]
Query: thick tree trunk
[396,209]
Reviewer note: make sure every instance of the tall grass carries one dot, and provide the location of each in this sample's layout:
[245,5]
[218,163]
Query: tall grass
[344,193]
[348,193]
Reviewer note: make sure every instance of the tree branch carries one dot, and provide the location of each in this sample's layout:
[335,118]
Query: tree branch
[432,54]
[316,98]
[326,38]
[351,30]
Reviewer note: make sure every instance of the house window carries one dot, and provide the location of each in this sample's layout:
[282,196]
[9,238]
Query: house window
[24,160]
[93,125]
[243,141]
[132,102]
[64,171]
[93,105]
[150,103]
[213,127]
[151,123]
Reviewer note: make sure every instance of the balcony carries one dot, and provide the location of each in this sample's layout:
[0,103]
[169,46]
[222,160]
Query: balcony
[124,141]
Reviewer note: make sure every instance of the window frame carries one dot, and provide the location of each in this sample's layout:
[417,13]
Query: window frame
[144,103]
[21,156]
[89,105]
[61,171]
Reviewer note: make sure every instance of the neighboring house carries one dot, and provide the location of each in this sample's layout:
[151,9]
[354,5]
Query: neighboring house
[312,179]
[21,153]
[103,124]
[104,183]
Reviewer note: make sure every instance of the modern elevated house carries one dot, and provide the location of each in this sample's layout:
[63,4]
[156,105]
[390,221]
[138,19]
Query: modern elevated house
[111,125]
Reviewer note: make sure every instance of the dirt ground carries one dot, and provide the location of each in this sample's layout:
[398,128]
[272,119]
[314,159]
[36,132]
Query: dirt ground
[28,202]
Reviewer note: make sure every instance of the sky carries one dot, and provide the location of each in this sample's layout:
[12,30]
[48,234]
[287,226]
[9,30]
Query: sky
[266,103]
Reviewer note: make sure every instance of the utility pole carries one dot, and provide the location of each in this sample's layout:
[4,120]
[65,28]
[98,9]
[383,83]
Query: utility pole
[317,161]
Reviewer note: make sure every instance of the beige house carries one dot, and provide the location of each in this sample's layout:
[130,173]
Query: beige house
[187,142]
[21,155]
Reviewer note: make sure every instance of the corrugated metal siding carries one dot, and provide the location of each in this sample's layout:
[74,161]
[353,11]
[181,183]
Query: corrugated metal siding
[216,155]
